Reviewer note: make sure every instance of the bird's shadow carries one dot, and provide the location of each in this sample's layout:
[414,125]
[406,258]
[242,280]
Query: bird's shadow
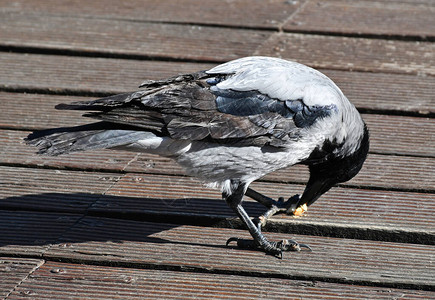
[53,218]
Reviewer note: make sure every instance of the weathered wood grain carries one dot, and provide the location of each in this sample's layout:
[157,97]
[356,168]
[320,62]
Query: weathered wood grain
[36,111]
[119,37]
[173,198]
[73,75]
[401,135]
[359,54]
[51,190]
[70,74]
[31,233]
[395,93]
[379,171]
[13,271]
[379,66]
[61,280]
[389,134]
[365,18]
[187,42]
[241,13]
[142,244]
[184,199]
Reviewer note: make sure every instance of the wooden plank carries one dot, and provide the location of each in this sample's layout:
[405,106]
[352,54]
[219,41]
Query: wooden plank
[36,111]
[183,197]
[241,13]
[70,74]
[205,43]
[119,37]
[391,92]
[51,190]
[359,54]
[66,74]
[389,134]
[137,244]
[31,233]
[399,135]
[61,280]
[176,196]
[366,18]
[379,171]
[13,271]
[386,214]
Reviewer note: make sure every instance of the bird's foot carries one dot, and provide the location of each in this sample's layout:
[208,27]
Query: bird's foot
[273,248]
[289,207]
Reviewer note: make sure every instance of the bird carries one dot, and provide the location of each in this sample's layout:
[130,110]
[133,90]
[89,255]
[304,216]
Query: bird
[229,126]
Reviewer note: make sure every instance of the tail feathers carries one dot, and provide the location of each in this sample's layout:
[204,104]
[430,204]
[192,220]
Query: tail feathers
[102,104]
[101,135]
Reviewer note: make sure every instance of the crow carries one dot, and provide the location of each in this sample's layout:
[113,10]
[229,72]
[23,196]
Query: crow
[229,126]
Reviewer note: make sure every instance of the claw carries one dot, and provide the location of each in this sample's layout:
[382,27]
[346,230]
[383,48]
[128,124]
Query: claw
[291,245]
[305,246]
[276,250]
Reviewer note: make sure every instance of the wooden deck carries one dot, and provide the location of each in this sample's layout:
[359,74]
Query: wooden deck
[106,224]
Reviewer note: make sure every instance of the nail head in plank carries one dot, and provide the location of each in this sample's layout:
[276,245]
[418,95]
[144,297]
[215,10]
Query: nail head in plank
[62,280]
[381,212]
[13,271]
[112,241]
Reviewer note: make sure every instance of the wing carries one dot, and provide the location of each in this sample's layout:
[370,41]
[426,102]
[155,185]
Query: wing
[211,106]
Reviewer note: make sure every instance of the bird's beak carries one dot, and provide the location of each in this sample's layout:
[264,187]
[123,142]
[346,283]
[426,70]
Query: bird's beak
[314,189]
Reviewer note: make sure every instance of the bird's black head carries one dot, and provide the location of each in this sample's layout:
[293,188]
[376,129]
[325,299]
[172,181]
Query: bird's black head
[329,170]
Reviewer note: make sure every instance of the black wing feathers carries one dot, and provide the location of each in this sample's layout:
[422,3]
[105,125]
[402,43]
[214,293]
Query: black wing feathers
[192,107]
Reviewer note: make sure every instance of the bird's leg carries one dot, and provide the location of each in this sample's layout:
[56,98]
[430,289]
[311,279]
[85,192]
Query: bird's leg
[289,207]
[260,198]
[269,213]
[275,248]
